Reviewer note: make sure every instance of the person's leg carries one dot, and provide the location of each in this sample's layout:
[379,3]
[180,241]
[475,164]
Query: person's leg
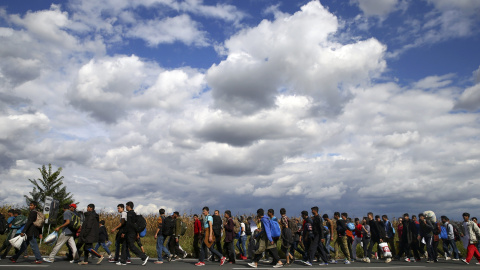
[35,249]
[344,247]
[73,248]
[336,246]
[470,250]
[455,252]
[131,246]
[355,243]
[21,250]
[366,242]
[85,252]
[62,239]
[391,244]
[322,251]
[416,249]
[123,258]
[370,248]
[97,246]
[196,250]
[312,248]
[429,244]
[159,248]
[349,245]
[203,247]
[89,248]
[232,252]
[104,246]
[118,247]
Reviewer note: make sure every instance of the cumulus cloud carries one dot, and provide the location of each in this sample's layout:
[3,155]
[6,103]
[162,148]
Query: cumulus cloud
[470,99]
[376,8]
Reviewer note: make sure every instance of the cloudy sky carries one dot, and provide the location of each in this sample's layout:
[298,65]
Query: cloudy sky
[356,106]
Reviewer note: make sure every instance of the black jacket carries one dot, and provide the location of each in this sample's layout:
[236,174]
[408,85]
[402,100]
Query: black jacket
[377,230]
[130,224]
[409,231]
[341,227]
[317,226]
[31,230]
[217,225]
[90,229]
[426,228]
[102,235]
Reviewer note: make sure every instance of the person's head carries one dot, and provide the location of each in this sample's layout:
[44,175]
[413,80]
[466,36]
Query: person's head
[466,216]
[161,211]
[249,219]
[336,215]
[270,213]
[102,223]
[228,214]
[33,205]
[406,217]
[314,210]
[421,216]
[400,220]
[325,217]
[444,219]
[195,216]
[377,218]
[216,213]
[176,214]
[364,220]
[414,218]
[10,212]
[370,216]
[91,207]
[344,215]
[120,208]
[357,221]
[129,206]
[474,219]
[384,217]
[66,207]
[304,214]
[283,212]
[73,207]
[205,211]
[260,213]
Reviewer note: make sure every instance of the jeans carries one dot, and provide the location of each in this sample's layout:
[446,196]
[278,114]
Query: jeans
[230,251]
[104,246]
[452,244]
[161,248]
[241,245]
[212,250]
[365,242]
[32,241]
[327,243]
[429,243]
[119,242]
[196,248]
[357,241]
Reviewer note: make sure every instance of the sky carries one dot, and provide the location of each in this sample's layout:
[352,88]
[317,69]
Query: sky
[351,106]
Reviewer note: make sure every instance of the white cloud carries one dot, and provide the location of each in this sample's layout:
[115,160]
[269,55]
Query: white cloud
[377,8]
[470,99]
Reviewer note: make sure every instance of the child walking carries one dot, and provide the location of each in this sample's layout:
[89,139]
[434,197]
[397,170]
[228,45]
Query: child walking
[103,238]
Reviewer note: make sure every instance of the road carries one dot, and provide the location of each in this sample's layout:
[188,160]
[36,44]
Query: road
[189,264]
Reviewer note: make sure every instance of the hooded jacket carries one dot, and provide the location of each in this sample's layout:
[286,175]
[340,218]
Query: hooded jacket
[90,228]
[409,231]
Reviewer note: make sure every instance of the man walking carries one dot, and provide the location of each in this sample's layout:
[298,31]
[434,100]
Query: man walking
[32,233]
[208,239]
[130,235]
[450,240]
[317,241]
[341,240]
[89,234]
[66,237]
[119,240]
[266,242]
[197,233]
[471,231]
[229,236]
[389,233]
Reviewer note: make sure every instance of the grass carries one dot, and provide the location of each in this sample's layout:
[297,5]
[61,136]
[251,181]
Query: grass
[149,243]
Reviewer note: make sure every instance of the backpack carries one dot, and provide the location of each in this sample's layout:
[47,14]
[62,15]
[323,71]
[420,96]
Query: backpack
[40,221]
[183,227]
[75,223]
[143,233]
[140,224]
[325,231]
[443,233]
[275,228]
[248,231]
[293,226]
[168,226]
[238,227]
[217,225]
[350,226]
[3,224]
[436,229]
[456,232]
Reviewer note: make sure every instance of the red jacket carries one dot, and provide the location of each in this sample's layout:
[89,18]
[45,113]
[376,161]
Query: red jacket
[197,227]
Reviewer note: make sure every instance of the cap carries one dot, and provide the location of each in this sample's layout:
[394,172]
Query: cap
[73,205]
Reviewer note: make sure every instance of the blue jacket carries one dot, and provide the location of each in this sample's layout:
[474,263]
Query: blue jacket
[266,228]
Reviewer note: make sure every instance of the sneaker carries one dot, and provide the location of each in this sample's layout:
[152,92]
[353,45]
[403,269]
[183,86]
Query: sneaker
[145,261]
[308,263]
[73,261]
[120,263]
[278,265]
[376,256]
[388,260]
[347,262]
[82,263]
[112,260]
[100,260]
[158,262]
[367,260]
[222,261]
[37,262]
[129,261]
[47,260]
[253,265]
[323,264]
[407,259]
[169,258]
[455,259]
[465,261]
[447,258]
[184,255]
[333,261]
[429,261]
[200,264]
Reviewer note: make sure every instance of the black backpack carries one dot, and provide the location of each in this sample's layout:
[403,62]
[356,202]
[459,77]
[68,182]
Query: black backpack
[248,231]
[140,223]
[3,224]
[168,226]
[217,225]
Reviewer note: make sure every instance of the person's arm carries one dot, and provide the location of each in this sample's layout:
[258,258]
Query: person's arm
[67,222]
[331,229]
[122,222]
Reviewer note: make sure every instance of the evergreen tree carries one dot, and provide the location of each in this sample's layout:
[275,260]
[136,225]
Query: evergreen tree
[50,184]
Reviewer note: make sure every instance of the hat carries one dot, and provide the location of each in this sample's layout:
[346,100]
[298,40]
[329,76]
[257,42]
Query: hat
[73,205]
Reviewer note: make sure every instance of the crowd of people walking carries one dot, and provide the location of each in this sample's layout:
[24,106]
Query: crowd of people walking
[257,237]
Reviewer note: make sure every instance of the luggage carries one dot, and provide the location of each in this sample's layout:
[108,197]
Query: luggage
[385,250]
[351,226]
[430,215]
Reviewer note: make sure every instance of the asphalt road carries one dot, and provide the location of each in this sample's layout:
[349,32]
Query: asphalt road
[189,264]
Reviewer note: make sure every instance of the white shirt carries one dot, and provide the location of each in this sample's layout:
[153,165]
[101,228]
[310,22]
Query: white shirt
[242,228]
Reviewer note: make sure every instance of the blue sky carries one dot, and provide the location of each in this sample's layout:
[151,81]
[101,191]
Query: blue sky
[364,104]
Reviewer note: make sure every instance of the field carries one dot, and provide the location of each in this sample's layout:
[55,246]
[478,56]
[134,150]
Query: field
[149,243]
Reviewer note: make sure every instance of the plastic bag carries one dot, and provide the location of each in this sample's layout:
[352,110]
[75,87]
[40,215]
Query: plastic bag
[108,243]
[51,238]
[17,242]
[385,250]
[430,215]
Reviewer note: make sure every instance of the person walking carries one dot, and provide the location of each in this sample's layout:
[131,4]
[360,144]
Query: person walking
[449,240]
[265,242]
[161,239]
[471,231]
[426,229]
[341,240]
[229,236]
[89,234]
[103,239]
[197,233]
[358,238]
[242,240]
[366,236]
[130,234]
[389,234]
[209,239]
[317,240]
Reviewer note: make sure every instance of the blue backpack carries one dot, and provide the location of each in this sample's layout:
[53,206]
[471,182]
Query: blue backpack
[351,226]
[275,227]
[443,232]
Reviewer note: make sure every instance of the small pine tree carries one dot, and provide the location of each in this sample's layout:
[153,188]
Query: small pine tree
[50,184]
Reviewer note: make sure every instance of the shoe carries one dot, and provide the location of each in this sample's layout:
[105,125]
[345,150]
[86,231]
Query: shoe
[429,261]
[447,258]
[278,265]
[376,256]
[120,263]
[82,263]
[333,261]
[347,262]
[73,261]
[110,256]
[112,260]
[253,265]
[129,261]
[184,255]
[367,260]
[323,264]
[407,259]
[200,264]
[169,258]
[308,263]
[465,261]
[145,261]
[222,261]
[272,263]
[47,260]
[100,260]
[455,259]
[158,262]
[37,262]
[388,260]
